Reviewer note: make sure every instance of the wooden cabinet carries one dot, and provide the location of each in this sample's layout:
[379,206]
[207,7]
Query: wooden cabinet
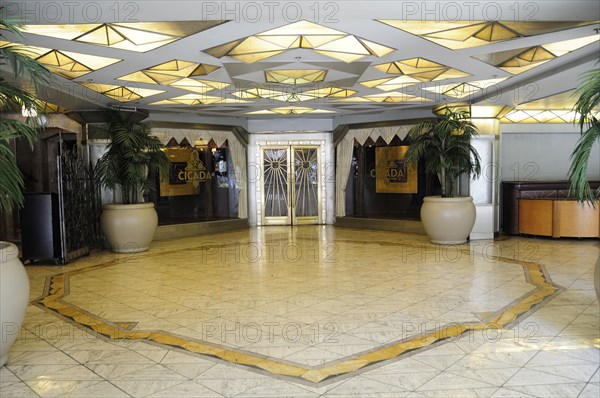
[535,217]
[514,191]
[558,218]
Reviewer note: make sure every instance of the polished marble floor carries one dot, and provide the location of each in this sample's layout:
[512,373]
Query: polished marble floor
[314,311]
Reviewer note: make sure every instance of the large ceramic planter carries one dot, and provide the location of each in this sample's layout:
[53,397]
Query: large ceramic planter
[597,278]
[129,228]
[448,221]
[14,296]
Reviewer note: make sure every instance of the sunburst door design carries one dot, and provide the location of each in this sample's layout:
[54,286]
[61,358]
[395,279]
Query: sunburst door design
[306,185]
[290,185]
[276,187]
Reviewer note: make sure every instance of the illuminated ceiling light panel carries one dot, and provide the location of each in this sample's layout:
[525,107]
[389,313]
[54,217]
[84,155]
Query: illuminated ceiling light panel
[267,93]
[466,34]
[541,116]
[73,65]
[531,57]
[391,83]
[395,97]
[462,90]
[295,76]
[134,36]
[169,72]
[329,92]
[474,111]
[196,99]
[420,69]
[67,64]
[121,93]
[352,99]
[289,110]
[302,34]
[199,86]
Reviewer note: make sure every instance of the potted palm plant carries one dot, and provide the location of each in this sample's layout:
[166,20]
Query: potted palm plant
[14,282]
[129,226]
[587,106]
[444,144]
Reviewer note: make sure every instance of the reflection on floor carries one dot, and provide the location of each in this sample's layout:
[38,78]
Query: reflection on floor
[314,311]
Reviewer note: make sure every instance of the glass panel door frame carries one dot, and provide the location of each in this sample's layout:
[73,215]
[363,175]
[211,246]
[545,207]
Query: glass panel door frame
[290,218]
[281,219]
[311,219]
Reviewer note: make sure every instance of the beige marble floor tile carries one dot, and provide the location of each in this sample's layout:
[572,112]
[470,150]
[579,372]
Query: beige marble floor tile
[554,390]
[58,388]
[575,372]
[39,358]
[362,387]
[338,309]
[189,389]
[53,372]
[508,393]
[102,389]
[530,377]
[591,390]
[277,389]
[144,388]
[16,390]
[447,381]
[230,387]
[408,381]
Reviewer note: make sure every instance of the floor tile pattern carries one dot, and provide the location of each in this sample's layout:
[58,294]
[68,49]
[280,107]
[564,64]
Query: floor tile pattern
[485,317]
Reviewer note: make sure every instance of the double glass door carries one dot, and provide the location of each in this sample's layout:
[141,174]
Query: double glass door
[291,191]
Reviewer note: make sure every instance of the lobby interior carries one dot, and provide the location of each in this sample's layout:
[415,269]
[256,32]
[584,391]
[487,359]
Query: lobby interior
[314,282]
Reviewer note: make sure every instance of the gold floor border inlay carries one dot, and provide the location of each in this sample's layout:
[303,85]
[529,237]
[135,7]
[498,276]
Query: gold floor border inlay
[57,288]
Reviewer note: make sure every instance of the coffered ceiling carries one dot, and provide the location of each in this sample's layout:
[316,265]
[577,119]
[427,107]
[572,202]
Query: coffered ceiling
[365,60]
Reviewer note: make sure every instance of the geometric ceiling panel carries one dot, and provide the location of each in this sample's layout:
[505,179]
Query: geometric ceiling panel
[67,64]
[420,69]
[394,97]
[291,96]
[73,65]
[462,90]
[198,99]
[411,71]
[390,83]
[295,76]
[169,72]
[299,35]
[521,60]
[466,34]
[121,93]
[198,85]
[132,36]
[564,100]
[289,110]
[540,116]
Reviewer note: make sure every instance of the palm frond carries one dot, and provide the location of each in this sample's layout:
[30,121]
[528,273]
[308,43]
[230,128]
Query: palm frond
[13,98]
[131,153]
[579,185]
[587,105]
[445,142]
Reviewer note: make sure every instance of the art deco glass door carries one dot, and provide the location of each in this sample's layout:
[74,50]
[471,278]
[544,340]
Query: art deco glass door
[290,185]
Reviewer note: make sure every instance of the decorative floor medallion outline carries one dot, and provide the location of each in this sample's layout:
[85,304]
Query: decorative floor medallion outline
[57,289]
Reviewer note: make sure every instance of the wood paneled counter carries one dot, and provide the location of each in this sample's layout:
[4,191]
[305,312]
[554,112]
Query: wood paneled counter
[559,218]
[514,191]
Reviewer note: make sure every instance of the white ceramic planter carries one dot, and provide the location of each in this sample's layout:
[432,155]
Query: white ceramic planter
[448,221]
[597,278]
[129,228]
[14,297]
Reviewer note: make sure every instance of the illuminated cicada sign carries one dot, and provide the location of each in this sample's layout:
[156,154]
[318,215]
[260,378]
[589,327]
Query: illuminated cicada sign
[194,171]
